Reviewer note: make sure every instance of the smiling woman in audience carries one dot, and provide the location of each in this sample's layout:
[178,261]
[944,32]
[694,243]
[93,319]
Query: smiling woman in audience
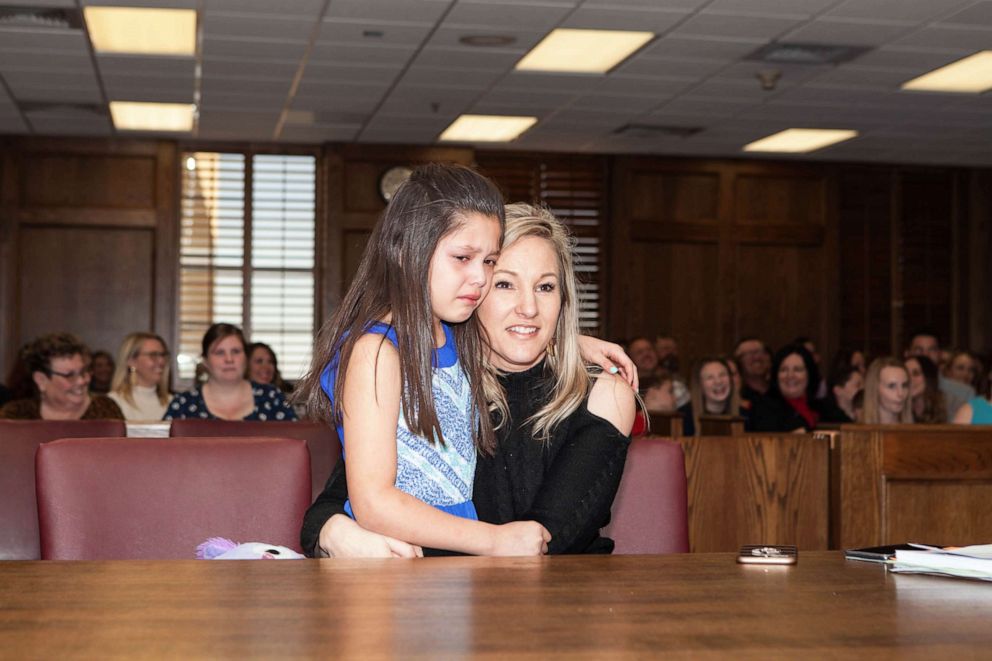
[59,365]
[712,392]
[263,366]
[227,394]
[562,433]
[141,380]
[887,400]
[790,403]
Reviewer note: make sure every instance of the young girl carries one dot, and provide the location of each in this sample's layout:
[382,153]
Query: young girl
[398,368]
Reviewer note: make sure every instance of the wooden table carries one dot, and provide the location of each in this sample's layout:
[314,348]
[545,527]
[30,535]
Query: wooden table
[701,605]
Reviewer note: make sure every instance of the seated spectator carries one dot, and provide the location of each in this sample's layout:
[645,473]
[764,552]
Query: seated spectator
[712,392]
[976,412]
[141,380]
[657,394]
[927,402]
[102,370]
[754,361]
[925,342]
[645,358]
[887,399]
[962,367]
[821,387]
[790,403]
[667,348]
[59,365]
[849,358]
[263,366]
[227,394]
[844,384]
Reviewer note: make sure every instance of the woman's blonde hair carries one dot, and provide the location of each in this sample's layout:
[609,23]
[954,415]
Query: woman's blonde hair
[871,414]
[733,404]
[572,380]
[123,381]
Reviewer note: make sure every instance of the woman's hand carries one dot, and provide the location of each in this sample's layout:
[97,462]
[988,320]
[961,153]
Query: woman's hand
[611,357]
[342,537]
[521,538]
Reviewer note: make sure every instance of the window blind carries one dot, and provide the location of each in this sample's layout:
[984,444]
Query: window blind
[574,188]
[248,260]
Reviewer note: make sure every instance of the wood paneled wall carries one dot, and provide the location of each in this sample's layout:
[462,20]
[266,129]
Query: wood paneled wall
[709,250]
[87,236]
[713,250]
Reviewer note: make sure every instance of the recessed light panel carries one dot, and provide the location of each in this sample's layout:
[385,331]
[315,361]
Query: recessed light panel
[135,116]
[583,51]
[486,128]
[972,75]
[142,31]
[800,140]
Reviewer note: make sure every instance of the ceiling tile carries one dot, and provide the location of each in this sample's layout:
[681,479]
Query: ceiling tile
[361,54]
[979,14]
[787,7]
[535,16]
[420,100]
[895,10]
[39,61]
[848,33]
[493,59]
[962,40]
[373,33]
[78,126]
[624,18]
[701,47]
[285,7]
[48,41]
[448,37]
[318,134]
[63,94]
[614,102]
[324,73]
[736,26]
[136,65]
[216,67]
[273,26]
[532,80]
[277,87]
[667,66]
[384,11]
[253,48]
[451,76]
[211,100]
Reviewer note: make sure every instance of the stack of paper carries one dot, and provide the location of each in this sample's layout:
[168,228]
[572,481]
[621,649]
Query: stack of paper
[964,561]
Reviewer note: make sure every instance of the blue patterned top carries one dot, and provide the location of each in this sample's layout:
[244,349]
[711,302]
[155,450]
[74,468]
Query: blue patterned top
[440,475]
[981,411]
[270,404]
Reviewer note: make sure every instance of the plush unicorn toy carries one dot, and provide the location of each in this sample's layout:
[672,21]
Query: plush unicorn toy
[221,548]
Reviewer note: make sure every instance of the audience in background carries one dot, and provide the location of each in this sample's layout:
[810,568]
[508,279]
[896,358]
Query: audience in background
[667,348]
[712,392]
[141,380]
[928,405]
[963,367]
[849,358]
[227,394]
[645,357]
[102,372]
[925,342]
[263,366]
[790,403]
[658,395]
[59,368]
[754,361]
[844,384]
[978,411]
[887,400]
[821,387]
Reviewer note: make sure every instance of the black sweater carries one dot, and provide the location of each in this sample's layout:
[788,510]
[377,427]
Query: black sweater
[567,484]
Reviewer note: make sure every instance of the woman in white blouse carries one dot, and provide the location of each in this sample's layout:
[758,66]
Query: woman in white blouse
[141,380]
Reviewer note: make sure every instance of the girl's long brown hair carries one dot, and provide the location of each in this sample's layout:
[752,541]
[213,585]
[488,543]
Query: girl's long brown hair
[393,279]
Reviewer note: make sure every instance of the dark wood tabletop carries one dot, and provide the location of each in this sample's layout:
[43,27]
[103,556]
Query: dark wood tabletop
[700,605]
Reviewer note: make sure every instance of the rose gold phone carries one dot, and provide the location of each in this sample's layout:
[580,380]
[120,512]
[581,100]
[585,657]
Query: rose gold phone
[768,555]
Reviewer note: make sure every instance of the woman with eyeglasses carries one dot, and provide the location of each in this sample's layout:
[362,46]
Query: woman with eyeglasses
[59,365]
[141,380]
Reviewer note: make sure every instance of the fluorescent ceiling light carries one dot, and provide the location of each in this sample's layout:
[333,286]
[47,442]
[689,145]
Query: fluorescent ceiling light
[800,140]
[972,74]
[134,116]
[583,51]
[142,31]
[487,128]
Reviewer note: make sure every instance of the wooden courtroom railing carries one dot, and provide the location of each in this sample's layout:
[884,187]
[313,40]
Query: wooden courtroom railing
[902,483]
[667,425]
[721,425]
[757,489]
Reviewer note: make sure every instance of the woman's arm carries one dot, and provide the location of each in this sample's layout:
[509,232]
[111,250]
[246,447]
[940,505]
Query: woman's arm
[963,415]
[579,487]
[371,407]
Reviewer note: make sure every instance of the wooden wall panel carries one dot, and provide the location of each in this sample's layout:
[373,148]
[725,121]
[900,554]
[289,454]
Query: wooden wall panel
[94,282]
[939,513]
[778,199]
[112,181]
[779,292]
[681,197]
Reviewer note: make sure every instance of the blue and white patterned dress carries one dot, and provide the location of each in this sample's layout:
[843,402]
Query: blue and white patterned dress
[440,475]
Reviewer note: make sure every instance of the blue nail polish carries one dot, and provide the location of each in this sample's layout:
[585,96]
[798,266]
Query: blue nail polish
[614,370]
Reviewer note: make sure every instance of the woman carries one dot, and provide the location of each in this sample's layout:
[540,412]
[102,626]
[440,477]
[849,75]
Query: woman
[887,393]
[790,403]
[263,366]
[59,365]
[227,394]
[927,401]
[962,367]
[850,358]
[141,381]
[844,384]
[562,434]
[101,373]
[712,392]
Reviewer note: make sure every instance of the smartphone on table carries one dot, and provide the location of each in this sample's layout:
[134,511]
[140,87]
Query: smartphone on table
[768,554]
